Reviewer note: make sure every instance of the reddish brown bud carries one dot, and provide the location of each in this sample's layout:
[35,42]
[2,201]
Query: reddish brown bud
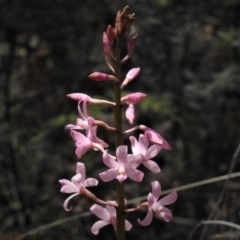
[124,21]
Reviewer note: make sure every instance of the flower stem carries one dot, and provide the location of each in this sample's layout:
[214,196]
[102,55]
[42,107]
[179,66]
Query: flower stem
[118,141]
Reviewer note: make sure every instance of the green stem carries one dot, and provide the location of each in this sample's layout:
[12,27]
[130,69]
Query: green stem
[118,141]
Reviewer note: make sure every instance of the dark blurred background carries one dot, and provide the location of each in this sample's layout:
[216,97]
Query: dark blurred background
[188,51]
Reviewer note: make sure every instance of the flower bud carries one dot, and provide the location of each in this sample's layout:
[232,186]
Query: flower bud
[110,36]
[99,76]
[133,98]
[155,137]
[130,76]
[131,44]
[130,113]
[105,43]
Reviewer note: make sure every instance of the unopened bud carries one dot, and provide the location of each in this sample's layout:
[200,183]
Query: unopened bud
[110,36]
[124,21]
[130,113]
[99,76]
[105,43]
[131,44]
[133,98]
[130,76]
[155,137]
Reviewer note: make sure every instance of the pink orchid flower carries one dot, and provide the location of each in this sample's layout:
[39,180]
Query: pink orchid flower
[158,206]
[77,183]
[151,135]
[83,144]
[108,216]
[86,122]
[122,168]
[141,147]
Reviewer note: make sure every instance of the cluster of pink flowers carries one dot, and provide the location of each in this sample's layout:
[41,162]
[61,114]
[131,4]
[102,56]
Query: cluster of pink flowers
[123,165]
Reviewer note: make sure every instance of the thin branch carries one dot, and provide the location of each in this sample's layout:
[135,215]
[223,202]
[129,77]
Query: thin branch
[191,185]
[215,222]
[221,196]
[53,224]
[86,214]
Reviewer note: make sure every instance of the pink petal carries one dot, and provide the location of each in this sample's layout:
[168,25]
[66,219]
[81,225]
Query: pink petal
[80,138]
[122,154]
[166,214]
[77,180]
[82,149]
[156,138]
[111,210]
[80,168]
[121,177]
[134,160]
[89,182]
[109,160]
[134,143]
[152,166]
[143,141]
[150,200]
[128,225]
[169,199]
[148,219]
[134,174]
[93,137]
[152,151]
[71,126]
[67,200]
[83,116]
[109,175]
[100,212]
[130,113]
[139,147]
[97,225]
[68,186]
[156,190]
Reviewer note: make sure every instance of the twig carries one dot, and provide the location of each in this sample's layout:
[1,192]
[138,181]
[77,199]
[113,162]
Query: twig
[85,214]
[53,224]
[221,196]
[215,222]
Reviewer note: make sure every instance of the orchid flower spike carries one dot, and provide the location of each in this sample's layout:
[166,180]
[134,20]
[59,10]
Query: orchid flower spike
[141,147]
[130,76]
[108,216]
[77,183]
[158,206]
[124,167]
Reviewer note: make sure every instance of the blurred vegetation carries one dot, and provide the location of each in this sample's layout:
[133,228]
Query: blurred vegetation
[188,52]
